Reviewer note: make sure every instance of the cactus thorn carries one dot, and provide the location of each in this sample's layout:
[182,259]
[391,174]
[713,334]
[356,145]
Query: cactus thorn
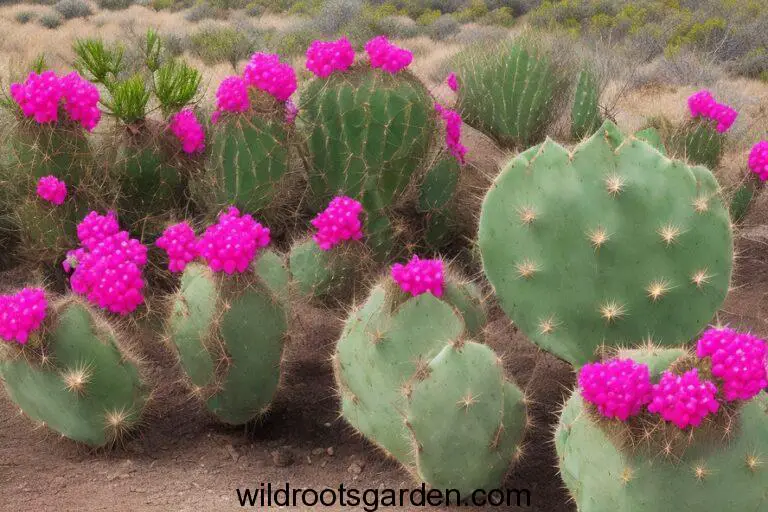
[627,475]
[598,237]
[701,277]
[669,233]
[657,289]
[467,401]
[527,215]
[701,204]
[611,311]
[701,472]
[614,184]
[753,462]
[76,379]
[526,269]
[547,325]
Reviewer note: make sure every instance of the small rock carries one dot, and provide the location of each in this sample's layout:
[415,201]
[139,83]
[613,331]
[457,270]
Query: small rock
[355,468]
[282,457]
[323,464]
[326,424]
[329,451]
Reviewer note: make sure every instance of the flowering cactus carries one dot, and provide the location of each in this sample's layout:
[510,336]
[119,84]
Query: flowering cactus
[180,242]
[325,57]
[339,222]
[96,227]
[387,56]
[620,388]
[703,104]
[231,244]
[758,160]
[21,314]
[452,82]
[452,121]
[185,126]
[684,400]
[738,359]
[266,73]
[81,100]
[52,189]
[420,276]
[231,96]
[291,111]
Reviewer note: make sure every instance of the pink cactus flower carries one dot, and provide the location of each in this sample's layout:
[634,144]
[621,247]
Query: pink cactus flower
[387,56]
[180,243]
[231,96]
[185,126]
[96,227]
[452,121]
[684,400]
[758,160]
[21,314]
[231,244]
[738,359]
[81,100]
[703,104]
[420,276]
[291,111]
[338,222]
[39,96]
[266,73]
[107,270]
[52,189]
[325,57]
[620,388]
[453,82]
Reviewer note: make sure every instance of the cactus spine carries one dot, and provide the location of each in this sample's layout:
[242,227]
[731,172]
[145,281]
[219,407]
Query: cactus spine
[411,359]
[76,377]
[229,334]
[718,466]
[605,245]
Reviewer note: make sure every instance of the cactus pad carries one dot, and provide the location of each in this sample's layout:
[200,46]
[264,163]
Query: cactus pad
[75,377]
[608,244]
[585,114]
[229,334]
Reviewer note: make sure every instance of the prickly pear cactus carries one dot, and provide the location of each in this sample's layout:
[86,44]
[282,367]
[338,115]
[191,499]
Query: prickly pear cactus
[585,114]
[334,277]
[252,165]
[608,244]
[413,383]
[369,132]
[76,377]
[699,142]
[437,202]
[229,333]
[741,199]
[718,466]
[653,137]
[510,93]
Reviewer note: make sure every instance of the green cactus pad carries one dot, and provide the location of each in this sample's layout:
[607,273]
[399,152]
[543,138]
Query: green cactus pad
[510,92]
[332,277]
[605,245]
[75,377]
[369,132]
[653,137]
[585,114]
[407,358]
[712,474]
[699,142]
[229,333]
[439,185]
[740,201]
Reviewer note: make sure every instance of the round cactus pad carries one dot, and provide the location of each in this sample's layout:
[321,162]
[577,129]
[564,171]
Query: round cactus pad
[609,244]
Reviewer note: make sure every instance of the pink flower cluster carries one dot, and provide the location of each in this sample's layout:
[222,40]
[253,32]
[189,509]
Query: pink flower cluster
[40,97]
[703,104]
[325,57]
[338,222]
[452,121]
[81,100]
[108,266]
[266,73]
[620,388]
[453,82]
[738,359]
[52,189]
[231,244]
[758,160]
[420,276]
[684,400]
[180,243]
[21,314]
[387,56]
[231,96]
[185,126]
